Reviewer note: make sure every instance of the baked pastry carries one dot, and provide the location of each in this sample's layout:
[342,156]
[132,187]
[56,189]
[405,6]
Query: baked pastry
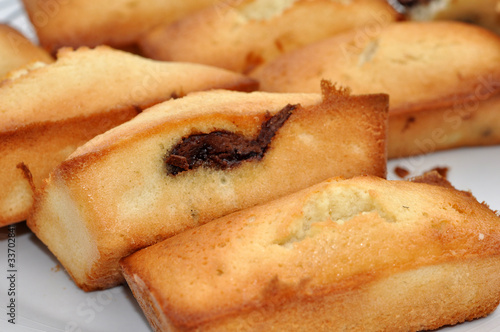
[117,23]
[251,32]
[485,13]
[344,255]
[185,162]
[442,78]
[16,50]
[47,112]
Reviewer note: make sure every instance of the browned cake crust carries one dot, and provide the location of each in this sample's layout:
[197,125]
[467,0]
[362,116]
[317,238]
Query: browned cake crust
[16,51]
[117,23]
[249,33]
[48,111]
[185,162]
[442,78]
[345,255]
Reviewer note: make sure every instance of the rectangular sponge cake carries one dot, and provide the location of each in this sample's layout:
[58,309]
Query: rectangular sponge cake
[187,161]
[345,255]
[48,111]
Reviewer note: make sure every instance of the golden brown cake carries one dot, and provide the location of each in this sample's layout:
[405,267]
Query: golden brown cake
[117,23]
[249,33]
[344,255]
[16,51]
[48,111]
[187,161]
[442,78]
[485,13]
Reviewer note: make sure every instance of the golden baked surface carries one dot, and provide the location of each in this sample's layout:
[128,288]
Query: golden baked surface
[16,51]
[115,194]
[50,110]
[187,177]
[117,23]
[341,255]
[414,62]
[442,78]
[246,34]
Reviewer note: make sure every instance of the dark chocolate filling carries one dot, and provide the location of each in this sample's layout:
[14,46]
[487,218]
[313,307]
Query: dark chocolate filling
[411,3]
[223,149]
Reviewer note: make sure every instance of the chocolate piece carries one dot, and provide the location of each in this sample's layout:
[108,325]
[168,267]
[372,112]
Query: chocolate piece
[223,149]
[401,172]
[411,3]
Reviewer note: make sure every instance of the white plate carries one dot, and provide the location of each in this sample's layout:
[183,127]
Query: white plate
[47,300]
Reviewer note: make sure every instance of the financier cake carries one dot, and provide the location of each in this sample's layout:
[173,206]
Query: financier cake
[48,111]
[344,255]
[116,23]
[16,51]
[187,161]
[248,33]
[442,79]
